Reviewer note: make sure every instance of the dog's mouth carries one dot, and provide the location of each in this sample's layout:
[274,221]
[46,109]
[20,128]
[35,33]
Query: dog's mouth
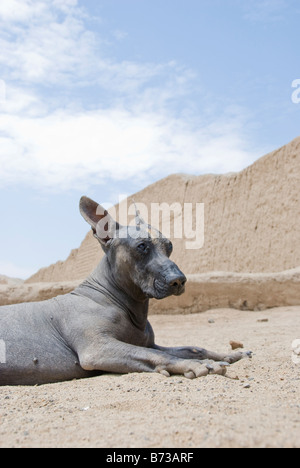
[162,290]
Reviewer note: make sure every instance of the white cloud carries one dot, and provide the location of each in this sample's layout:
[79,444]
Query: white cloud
[48,45]
[15,11]
[45,41]
[22,11]
[63,149]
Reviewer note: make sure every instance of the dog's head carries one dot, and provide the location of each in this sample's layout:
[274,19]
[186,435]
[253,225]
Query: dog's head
[138,255]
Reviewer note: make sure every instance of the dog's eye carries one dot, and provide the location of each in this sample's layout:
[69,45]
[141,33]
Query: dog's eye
[143,247]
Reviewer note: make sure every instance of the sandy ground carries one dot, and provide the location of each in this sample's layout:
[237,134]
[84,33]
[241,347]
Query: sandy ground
[256,405]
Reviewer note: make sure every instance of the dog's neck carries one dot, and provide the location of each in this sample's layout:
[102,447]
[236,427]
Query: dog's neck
[128,299]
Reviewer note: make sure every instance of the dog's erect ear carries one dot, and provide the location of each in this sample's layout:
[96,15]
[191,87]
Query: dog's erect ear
[103,225]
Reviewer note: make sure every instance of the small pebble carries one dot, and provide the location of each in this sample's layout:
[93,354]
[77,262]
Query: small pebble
[236,345]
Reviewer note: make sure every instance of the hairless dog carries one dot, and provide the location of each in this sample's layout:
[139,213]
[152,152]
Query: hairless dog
[103,325]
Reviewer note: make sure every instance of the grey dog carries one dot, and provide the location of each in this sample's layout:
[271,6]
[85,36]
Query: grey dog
[103,325]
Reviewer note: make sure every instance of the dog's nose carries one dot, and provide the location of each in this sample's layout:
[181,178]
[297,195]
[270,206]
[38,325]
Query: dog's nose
[177,283]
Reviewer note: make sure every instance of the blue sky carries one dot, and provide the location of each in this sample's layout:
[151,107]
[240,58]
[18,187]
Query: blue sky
[103,97]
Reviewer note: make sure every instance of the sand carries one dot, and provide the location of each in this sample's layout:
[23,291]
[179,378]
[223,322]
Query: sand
[256,405]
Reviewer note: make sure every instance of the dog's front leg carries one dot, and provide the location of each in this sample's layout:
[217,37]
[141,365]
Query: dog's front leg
[189,352]
[122,358]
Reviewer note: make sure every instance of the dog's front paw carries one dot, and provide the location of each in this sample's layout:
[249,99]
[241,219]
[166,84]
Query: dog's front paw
[235,357]
[200,369]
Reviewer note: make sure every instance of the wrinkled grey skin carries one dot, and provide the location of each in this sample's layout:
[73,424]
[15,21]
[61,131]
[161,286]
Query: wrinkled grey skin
[102,326]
